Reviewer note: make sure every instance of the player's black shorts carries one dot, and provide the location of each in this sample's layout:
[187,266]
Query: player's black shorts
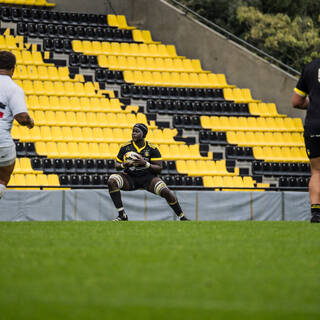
[140,182]
[312,143]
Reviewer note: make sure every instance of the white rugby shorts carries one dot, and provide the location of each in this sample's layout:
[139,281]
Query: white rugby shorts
[7,155]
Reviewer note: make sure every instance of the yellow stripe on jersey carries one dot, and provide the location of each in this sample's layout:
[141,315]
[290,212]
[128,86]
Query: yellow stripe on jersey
[119,160]
[299,92]
[155,159]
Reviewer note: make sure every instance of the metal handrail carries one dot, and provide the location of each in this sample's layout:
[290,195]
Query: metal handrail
[238,40]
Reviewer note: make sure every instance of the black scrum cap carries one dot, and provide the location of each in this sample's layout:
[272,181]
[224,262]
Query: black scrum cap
[142,127]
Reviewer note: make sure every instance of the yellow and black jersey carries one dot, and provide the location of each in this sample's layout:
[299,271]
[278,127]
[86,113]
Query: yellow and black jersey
[149,152]
[309,84]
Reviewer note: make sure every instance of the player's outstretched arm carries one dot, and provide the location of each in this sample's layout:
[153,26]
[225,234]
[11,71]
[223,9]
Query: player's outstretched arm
[24,119]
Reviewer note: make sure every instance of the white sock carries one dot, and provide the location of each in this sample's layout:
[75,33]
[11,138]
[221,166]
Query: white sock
[2,190]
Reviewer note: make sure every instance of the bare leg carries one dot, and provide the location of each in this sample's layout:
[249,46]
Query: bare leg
[5,174]
[116,183]
[157,186]
[314,184]
[314,189]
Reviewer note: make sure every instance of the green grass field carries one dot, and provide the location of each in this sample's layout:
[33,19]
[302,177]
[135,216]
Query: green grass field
[159,270]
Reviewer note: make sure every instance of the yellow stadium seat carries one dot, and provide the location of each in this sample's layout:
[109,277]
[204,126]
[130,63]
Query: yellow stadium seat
[76,134]
[298,124]
[181,166]
[26,57]
[52,151]
[205,122]
[73,149]
[112,20]
[37,58]
[138,36]
[70,119]
[122,23]
[228,94]
[53,74]
[30,87]
[55,133]
[25,166]
[93,150]
[52,180]
[254,109]
[31,180]
[35,134]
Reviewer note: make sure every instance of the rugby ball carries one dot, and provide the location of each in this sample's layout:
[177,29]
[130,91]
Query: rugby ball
[130,156]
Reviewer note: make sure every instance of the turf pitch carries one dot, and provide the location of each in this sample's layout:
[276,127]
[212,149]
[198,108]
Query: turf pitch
[159,270]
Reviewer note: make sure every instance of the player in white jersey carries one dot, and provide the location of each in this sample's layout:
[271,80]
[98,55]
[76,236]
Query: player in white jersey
[12,106]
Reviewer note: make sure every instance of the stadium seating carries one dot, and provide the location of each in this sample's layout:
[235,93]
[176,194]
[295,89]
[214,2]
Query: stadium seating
[81,120]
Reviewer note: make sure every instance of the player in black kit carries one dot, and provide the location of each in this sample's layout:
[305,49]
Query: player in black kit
[307,96]
[141,172]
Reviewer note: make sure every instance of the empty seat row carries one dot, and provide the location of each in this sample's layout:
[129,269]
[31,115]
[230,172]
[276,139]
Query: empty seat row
[182,151]
[10,42]
[83,61]
[87,134]
[186,122]
[124,49]
[143,36]
[228,182]
[204,168]
[242,138]
[239,153]
[280,168]
[25,149]
[83,180]
[24,57]
[42,72]
[110,150]
[64,103]
[212,137]
[89,166]
[197,107]
[152,64]
[77,150]
[239,95]
[15,14]
[251,123]
[58,165]
[175,79]
[87,119]
[118,21]
[109,76]
[57,88]
[43,180]
[147,92]
[57,45]
[294,183]
[182,181]
[281,154]
[23,166]
[264,109]
[101,180]
[39,3]
[30,179]
[42,30]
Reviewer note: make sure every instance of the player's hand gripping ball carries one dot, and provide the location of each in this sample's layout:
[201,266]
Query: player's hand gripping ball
[130,157]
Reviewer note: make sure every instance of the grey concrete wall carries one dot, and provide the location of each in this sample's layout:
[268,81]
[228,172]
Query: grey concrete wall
[85,6]
[194,40]
[34,205]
